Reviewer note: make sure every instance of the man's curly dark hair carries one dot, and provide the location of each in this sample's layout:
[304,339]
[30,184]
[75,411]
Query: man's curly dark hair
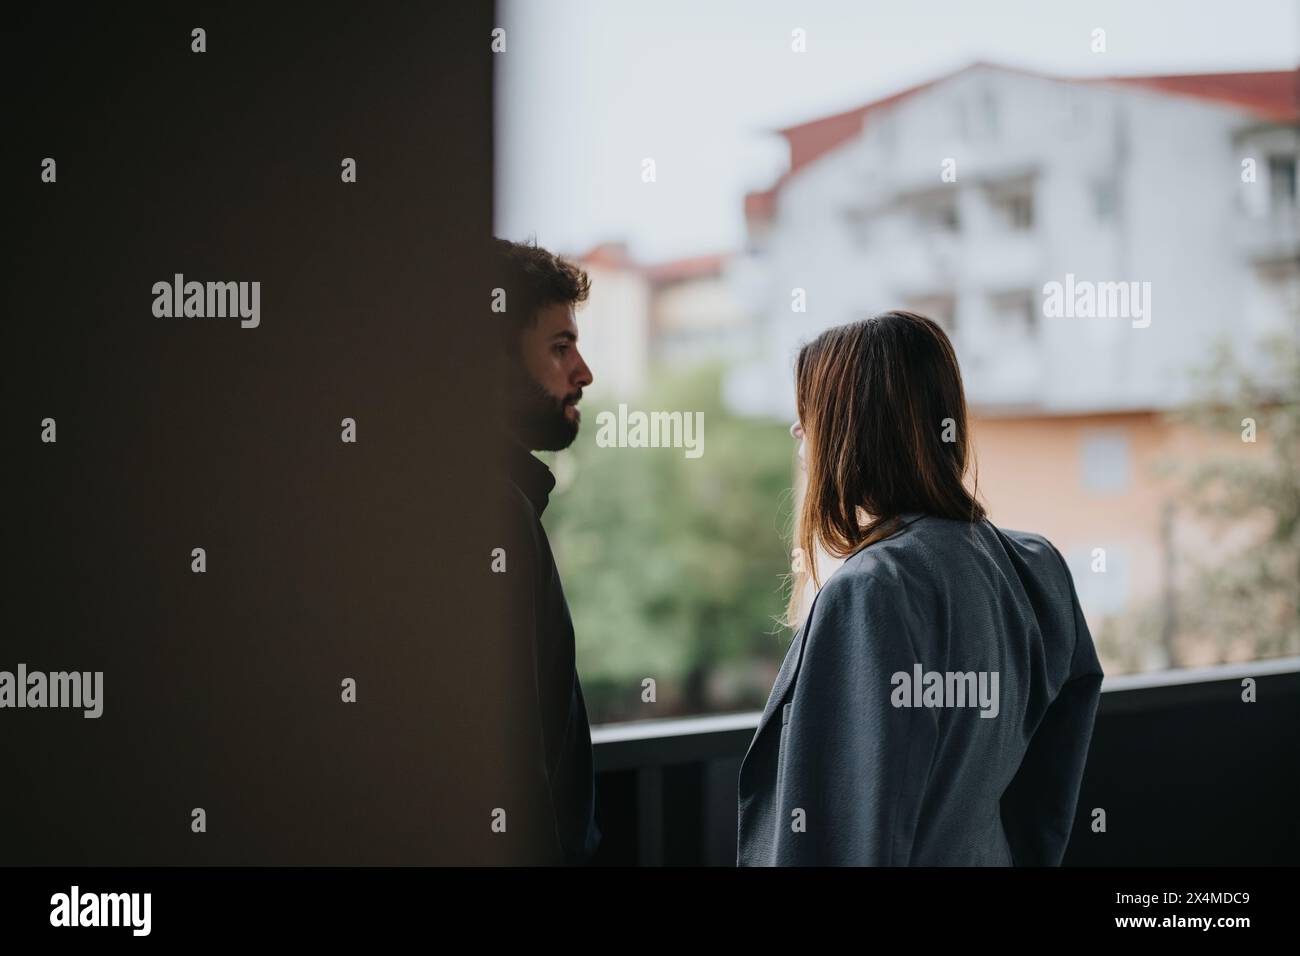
[534,278]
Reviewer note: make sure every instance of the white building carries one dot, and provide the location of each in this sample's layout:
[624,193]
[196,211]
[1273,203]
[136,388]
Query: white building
[1185,183]
[639,316]
[614,324]
[963,197]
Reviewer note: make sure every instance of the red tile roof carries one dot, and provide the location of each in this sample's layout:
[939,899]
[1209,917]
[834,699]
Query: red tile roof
[610,255]
[812,139]
[1272,95]
[614,255]
[696,267]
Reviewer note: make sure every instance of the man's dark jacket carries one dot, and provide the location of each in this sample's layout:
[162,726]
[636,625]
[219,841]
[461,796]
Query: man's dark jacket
[563,781]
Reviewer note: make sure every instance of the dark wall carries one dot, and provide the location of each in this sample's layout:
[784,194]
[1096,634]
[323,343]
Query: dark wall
[326,560]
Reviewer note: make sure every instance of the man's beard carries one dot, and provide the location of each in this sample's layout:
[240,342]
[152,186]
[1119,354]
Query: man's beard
[538,418]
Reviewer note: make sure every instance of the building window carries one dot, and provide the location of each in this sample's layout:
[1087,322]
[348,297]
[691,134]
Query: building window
[1013,315]
[1105,199]
[989,114]
[977,117]
[938,215]
[1014,208]
[1104,461]
[1282,182]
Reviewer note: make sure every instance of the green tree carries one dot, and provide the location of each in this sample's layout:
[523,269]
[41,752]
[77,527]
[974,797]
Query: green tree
[674,567]
[1251,591]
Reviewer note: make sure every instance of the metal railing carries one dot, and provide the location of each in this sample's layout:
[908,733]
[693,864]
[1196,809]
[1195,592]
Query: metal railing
[1186,770]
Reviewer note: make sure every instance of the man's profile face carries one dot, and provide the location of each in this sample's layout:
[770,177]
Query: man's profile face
[545,404]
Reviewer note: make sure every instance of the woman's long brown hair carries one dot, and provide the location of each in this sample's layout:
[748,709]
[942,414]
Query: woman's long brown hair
[885,433]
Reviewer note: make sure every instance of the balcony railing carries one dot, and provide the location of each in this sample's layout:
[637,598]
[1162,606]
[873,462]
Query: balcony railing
[1186,770]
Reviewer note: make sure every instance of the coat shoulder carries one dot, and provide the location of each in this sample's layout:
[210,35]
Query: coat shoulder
[1032,542]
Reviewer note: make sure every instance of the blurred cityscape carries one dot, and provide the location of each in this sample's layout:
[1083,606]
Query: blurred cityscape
[1154,439]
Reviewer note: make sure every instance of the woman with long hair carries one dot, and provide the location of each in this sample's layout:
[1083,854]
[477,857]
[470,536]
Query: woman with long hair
[937,702]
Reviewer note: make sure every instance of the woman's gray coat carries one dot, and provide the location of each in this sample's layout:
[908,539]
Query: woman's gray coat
[934,710]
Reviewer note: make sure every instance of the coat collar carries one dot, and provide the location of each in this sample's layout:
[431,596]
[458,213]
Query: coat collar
[527,473]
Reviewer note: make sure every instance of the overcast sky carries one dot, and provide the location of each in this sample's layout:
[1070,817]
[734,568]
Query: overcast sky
[587,88]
